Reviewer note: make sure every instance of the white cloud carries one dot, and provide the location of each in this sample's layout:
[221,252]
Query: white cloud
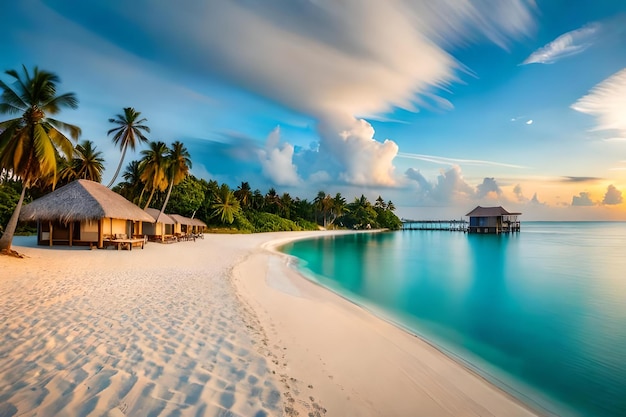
[517,190]
[529,122]
[488,188]
[277,161]
[582,199]
[416,175]
[607,101]
[568,44]
[361,158]
[535,201]
[320,177]
[613,196]
[449,187]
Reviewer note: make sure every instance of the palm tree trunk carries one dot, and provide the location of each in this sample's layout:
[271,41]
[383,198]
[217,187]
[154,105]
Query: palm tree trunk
[9,232]
[150,198]
[167,199]
[119,166]
[141,195]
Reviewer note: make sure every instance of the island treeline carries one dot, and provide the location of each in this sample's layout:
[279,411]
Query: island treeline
[36,156]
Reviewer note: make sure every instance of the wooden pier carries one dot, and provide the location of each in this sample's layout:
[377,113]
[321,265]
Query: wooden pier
[446,225]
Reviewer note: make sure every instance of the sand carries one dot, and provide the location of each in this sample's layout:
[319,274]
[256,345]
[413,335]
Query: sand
[217,327]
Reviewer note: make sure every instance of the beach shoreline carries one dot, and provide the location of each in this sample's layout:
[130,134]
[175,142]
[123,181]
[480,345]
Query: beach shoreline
[280,302]
[220,326]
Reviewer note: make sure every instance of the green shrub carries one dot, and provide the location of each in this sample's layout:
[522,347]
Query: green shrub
[268,222]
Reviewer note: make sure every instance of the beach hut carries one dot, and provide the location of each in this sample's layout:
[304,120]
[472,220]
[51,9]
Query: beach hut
[84,213]
[492,220]
[183,225]
[158,230]
[198,225]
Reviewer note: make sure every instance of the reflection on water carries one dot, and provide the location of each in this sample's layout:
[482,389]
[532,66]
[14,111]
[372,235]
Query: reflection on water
[542,312]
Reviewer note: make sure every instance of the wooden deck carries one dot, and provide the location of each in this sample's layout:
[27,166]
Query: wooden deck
[125,243]
[445,225]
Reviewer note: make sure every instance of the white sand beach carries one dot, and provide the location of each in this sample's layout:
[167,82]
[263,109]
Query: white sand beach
[217,327]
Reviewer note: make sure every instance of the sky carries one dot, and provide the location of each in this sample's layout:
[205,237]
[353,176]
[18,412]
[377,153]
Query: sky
[438,106]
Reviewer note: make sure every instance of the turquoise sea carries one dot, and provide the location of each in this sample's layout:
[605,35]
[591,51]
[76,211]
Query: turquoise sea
[540,313]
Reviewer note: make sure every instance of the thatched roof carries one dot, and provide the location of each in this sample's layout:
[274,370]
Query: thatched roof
[198,222]
[490,212]
[186,220]
[164,218]
[82,200]
[178,219]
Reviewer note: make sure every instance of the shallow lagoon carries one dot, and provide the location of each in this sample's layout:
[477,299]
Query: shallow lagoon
[541,313]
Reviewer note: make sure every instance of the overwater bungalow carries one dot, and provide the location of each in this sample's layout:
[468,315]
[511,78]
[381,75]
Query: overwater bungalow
[85,213]
[492,220]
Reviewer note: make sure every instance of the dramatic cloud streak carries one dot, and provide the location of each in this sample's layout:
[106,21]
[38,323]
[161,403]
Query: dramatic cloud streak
[568,44]
[332,61]
[607,101]
[453,161]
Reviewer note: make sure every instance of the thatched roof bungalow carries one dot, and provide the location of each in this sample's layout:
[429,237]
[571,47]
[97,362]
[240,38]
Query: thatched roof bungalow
[198,225]
[184,225]
[83,213]
[492,220]
[158,230]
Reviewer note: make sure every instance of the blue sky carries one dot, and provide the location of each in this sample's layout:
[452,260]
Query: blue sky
[438,106]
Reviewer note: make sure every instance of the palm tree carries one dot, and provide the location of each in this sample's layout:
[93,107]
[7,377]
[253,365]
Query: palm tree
[87,163]
[30,144]
[226,205]
[323,203]
[132,184]
[272,201]
[380,203]
[244,194]
[391,206]
[257,201]
[338,207]
[178,165]
[153,168]
[127,134]
[286,204]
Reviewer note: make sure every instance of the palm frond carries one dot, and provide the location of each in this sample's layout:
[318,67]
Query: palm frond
[62,142]
[73,129]
[7,146]
[11,98]
[64,100]
[17,123]
[44,151]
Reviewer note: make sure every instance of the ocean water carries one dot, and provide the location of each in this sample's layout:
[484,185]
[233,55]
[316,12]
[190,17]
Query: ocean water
[540,313]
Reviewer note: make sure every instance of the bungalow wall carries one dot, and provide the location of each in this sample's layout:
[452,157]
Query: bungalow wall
[89,230]
[158,229]
[116,226]
[82,232]
[485,224]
